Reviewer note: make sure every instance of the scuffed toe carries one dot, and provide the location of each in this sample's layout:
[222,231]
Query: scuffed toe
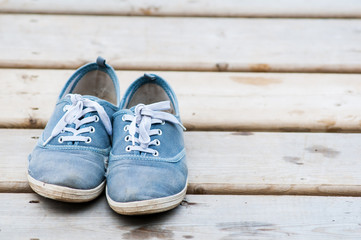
[73,169]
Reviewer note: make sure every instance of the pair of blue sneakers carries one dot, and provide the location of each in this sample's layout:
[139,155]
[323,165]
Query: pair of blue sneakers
[133,147]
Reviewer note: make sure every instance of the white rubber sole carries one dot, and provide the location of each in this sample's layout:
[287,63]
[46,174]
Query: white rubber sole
[64,194]
[147,206]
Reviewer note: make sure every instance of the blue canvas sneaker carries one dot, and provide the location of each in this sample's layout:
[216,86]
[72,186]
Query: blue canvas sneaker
[147,170]
[69,161]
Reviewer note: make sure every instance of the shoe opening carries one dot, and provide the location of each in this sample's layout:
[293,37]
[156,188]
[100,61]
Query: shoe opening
[96,83]
[149,93]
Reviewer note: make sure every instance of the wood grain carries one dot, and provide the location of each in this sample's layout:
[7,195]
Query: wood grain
[200,8]
[235,162]
[191,44]
[28,216]
[209,100]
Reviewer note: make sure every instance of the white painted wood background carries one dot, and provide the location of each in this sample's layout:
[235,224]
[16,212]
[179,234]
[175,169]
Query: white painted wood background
[235,162]
[29,216]
[209,100]
[189,44]
[211,52]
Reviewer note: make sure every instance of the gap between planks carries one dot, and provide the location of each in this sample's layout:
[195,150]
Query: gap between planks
[195,8]
[235,163]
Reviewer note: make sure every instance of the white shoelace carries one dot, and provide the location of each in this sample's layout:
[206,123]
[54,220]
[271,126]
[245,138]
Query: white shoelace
[80,106]
[144,116]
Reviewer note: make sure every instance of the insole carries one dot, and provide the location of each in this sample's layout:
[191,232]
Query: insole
[97,83]
[149,93]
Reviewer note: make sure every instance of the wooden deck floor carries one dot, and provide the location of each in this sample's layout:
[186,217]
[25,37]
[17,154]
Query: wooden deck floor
[270,92]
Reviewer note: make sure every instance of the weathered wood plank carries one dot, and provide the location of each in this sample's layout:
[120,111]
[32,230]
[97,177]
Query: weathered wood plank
[203,8]
[209,100]
[158,43]
[28,216]
[235,163]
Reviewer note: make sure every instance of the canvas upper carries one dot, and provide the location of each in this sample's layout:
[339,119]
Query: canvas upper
[74,147]
[154,166]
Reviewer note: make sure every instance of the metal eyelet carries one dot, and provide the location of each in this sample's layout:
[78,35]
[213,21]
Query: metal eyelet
[157,142]
[156,154]
[62,131]
[127,138]
[163,122]
[96,118]
[92,129]
[126,127]
[65,108]
[60,140]
[128,149]
[123,118]
[160,132]
[88,140]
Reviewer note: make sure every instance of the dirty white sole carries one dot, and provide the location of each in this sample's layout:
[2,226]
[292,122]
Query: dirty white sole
[147,206]
[64,194]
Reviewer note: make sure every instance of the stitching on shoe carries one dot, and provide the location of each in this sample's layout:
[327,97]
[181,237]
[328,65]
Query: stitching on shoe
[104,151]
[174,159]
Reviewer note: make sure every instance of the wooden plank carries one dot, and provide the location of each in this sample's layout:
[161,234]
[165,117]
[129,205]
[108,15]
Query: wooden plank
[199,8]
[205,44]
[28,216]
[235,163]
[209,100]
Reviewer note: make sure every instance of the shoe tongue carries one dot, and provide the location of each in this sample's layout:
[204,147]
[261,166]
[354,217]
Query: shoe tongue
[132,109]
[93,98]
[100,101]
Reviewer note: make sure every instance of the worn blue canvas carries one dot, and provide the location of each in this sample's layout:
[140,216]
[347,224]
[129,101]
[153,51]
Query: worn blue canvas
[147,170]
[69,161]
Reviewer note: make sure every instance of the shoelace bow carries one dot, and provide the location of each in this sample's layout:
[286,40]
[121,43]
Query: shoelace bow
[144,116]
[80,106]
